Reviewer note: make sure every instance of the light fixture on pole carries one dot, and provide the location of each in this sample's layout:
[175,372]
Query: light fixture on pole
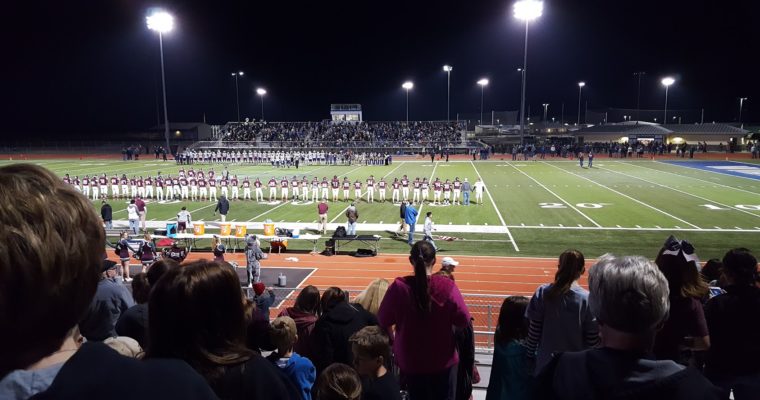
[261,92]
[580,90]
[741,104]
[526,10]
[667,81]
[162,22]
[483,83]
[638,93]
[237,93]
[447,68]
[546,109]
[407,86]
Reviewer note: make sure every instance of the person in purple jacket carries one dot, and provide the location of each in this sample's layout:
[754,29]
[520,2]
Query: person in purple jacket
[424,309]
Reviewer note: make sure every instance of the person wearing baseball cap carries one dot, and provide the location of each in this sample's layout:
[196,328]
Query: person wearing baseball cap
[448,264]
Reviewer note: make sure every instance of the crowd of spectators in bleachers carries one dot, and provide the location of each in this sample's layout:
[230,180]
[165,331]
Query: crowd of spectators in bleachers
[377,134]
[643,330]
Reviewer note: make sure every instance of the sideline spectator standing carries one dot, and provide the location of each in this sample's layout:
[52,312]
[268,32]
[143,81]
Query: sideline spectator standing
[223,206]
[106,212]
[428,229]
[410,217]
[733,319]
[50,294]
[183,220]
[322,211]
[133,215]
[423,309]
[559,313]
[203,323]
[629,297]
[263,300]
[352,214]
[466,189]
[142,211]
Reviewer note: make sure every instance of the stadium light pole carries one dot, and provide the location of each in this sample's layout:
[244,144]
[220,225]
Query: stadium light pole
[162,22]
[483,83]
[407,86]
[741,104]
[546,109]
[638,94]
[667,81]
[580,90]
[447,68]
[261,92]
[237,93]
[526,10]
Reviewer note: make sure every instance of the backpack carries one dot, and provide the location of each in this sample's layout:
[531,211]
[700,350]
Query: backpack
[340,232]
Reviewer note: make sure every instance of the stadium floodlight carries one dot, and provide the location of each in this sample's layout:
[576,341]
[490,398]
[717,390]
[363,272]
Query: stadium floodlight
[483,83]
[162,22]
[741,104]
[408,85]
[526,10]
[546,110]
[666,81]
[447,69]
[261,92]
[581,84]
[237,93]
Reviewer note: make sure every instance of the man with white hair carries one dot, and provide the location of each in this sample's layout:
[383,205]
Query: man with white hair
[629,297]
[479,188]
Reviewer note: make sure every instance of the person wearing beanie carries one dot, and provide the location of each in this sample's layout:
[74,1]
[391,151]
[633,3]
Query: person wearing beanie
[263,300]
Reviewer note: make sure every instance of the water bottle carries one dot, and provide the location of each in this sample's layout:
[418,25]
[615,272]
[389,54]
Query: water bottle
[282,280]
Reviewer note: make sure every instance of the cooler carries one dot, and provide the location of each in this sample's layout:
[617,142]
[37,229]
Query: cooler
[199,228]
[225,229]
[240,230]
[268,229]
[171,230]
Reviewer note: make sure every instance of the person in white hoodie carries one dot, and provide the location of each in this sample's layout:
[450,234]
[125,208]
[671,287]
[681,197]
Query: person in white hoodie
[428,229]
[134,217]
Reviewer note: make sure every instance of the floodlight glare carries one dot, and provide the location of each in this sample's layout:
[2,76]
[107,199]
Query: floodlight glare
[483,82]
[407,85]
[528,10]
[581,84]
[160,21]
[668,81]
[261,91]
[240,73]
[447,68]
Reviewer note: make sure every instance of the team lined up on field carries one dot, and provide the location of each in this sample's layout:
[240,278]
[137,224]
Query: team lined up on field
[197,185]
[282,158]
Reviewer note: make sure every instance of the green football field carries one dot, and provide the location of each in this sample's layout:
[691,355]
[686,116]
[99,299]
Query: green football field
[530,208]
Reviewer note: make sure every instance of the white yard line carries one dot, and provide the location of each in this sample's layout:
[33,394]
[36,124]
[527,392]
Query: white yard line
[268,211]
[422,204]
[690,177]
[504,223]
[624,195]
[681,191]
[557,196]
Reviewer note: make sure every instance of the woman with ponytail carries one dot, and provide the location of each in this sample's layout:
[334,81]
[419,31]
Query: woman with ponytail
[559,314]
[424,308]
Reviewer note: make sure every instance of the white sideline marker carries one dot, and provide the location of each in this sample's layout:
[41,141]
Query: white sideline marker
[511,239]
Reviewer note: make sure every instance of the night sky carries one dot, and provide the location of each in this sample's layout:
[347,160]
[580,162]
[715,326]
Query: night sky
[84,67]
